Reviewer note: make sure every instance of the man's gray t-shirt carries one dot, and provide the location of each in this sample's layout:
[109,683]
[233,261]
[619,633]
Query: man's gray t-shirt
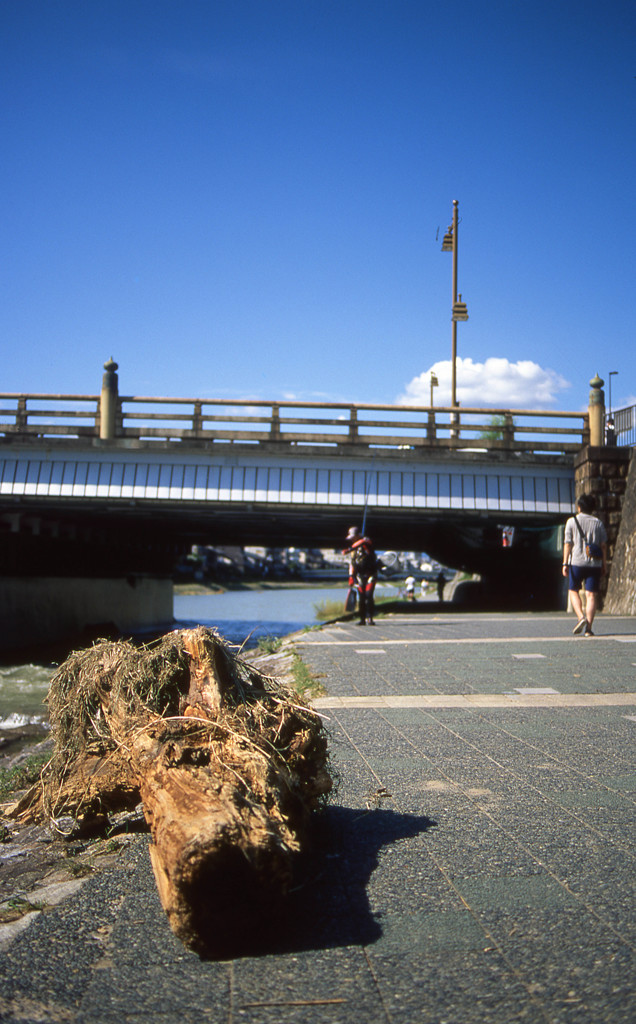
[593,533]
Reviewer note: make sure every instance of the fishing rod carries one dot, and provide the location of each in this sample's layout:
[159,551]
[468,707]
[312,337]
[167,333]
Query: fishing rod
[366,506]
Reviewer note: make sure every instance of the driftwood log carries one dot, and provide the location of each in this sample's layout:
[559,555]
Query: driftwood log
[228,763]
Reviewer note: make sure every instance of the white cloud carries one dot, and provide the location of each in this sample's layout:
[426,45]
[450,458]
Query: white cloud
[496,382]
[622,403]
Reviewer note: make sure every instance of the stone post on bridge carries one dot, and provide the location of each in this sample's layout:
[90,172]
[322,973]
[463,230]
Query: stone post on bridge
[597,412]
[108,401]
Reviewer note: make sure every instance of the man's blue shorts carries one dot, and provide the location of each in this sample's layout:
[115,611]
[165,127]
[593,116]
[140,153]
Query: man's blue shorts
[585,575]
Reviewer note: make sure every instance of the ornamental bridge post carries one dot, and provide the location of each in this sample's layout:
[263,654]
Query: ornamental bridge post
[109,401]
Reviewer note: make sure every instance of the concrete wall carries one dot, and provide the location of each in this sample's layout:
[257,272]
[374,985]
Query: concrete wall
[621,591]
[37,611]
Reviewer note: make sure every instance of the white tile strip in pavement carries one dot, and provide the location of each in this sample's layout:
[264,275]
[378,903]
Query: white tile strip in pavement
[538,690]
[480,700]
[482,618]
[307,639]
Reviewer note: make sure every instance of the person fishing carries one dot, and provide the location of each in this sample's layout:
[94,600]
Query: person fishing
[363,572]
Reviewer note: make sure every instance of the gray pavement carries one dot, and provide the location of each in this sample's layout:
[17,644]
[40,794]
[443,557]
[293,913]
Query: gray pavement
[476,864]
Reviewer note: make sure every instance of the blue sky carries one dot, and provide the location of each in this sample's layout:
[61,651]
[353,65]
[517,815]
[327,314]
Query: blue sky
[246,198]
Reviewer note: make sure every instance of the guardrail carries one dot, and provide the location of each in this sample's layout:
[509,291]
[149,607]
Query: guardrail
[625,425]
[205,421]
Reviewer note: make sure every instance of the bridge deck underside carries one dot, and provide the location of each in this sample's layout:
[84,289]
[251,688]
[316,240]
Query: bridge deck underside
[156,503]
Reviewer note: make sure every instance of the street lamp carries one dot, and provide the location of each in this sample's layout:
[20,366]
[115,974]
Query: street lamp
[434,384]
[450,244]
[612,373]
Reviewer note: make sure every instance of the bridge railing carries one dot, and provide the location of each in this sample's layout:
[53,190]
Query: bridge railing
[219,421]
[625,425]
[45,415]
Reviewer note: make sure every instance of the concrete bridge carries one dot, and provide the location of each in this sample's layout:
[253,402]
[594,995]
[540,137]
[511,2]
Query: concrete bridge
[107,487]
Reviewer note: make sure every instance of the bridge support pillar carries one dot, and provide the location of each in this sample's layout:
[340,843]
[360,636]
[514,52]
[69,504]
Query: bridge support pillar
[621,589]
[602,471]
[38,611]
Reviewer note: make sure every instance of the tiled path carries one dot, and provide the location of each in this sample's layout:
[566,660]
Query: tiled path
[477,863]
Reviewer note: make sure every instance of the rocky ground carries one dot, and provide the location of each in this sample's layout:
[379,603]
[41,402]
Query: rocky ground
[39,866]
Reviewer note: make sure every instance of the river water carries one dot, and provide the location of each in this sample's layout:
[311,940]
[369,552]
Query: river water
[239,616]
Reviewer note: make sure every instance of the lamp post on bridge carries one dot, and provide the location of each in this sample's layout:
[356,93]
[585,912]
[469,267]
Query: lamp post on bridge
[450,243]
[612,373]
[434,384]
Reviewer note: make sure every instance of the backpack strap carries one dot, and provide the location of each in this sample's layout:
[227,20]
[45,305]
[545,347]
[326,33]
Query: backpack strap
[592,550]
[578,526]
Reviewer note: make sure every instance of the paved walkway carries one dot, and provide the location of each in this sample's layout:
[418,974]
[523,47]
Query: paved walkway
[476,865]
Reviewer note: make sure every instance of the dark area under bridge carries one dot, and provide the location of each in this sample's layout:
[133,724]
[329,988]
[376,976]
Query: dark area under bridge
[101,539]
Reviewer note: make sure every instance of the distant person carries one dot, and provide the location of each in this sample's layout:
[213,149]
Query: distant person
[440,579]
[584,561]
[363,572]
[610,433]
[409,586]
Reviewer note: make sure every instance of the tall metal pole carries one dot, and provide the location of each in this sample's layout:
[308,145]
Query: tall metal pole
[454,322]
[612,373]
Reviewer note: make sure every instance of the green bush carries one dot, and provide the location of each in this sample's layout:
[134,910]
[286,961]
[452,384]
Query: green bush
[23,775]
[326,610]
[306,684]
[269,644]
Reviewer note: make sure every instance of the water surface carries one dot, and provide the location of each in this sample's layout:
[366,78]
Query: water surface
[241,616]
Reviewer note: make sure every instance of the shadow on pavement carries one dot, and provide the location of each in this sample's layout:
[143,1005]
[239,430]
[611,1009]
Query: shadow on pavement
[328,906]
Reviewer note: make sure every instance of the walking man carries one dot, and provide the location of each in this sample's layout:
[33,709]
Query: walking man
[584,561]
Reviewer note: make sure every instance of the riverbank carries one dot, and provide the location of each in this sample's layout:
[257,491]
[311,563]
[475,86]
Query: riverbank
[238,585]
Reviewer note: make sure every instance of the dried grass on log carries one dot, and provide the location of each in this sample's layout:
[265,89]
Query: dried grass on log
[229,765]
